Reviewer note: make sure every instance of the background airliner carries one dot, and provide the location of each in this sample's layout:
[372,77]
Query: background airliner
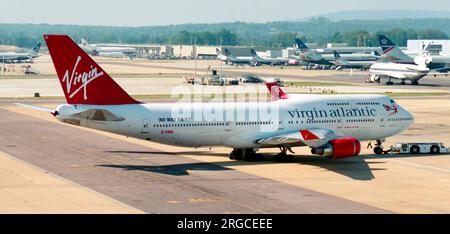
[308,55]
[258,60]
[343,63]
[331,125]
[10,57]
[231,59]
[395,64]
[105,50]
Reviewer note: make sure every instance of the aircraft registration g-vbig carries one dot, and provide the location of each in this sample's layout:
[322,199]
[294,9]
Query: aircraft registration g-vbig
[332,125]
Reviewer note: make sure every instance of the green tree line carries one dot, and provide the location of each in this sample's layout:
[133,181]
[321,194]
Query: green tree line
[272,34]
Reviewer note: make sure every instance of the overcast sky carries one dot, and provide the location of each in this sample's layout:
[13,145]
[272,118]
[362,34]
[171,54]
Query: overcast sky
[164,12]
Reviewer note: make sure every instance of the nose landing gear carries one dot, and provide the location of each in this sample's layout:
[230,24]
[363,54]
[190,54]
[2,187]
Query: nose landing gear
[378,148]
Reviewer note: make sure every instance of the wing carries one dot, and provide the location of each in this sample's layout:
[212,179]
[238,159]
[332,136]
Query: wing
[38,108]
[311,137]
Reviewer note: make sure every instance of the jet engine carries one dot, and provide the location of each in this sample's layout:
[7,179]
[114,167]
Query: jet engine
[423,60]
[339,148]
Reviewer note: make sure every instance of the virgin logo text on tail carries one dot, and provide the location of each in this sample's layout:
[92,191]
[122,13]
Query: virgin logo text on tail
[83,78]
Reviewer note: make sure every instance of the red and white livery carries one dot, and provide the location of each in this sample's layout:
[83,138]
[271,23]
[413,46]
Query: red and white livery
[332,125]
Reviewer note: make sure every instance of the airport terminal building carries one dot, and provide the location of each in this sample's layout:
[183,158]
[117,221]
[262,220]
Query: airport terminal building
[436,47]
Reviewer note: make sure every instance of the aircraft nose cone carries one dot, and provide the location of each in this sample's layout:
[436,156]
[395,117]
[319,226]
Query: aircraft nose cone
[410,118]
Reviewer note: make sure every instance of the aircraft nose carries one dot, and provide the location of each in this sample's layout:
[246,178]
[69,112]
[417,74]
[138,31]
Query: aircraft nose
[408,117]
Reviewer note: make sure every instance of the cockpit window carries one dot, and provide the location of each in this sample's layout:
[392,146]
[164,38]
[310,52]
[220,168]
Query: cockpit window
[392,101]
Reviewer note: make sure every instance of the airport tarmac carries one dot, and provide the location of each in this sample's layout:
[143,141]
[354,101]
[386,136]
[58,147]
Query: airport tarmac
[152,179]
[50,167]
[144,77]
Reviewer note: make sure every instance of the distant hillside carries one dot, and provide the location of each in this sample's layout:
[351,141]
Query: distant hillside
[383,15]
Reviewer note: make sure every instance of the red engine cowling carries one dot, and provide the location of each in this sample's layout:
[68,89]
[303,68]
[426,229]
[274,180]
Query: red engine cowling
[339,148]
[345,148]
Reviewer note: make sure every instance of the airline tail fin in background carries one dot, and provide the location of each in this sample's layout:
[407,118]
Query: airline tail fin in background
[300,45]
[227,52]
[276,92]
[36,48]
[391,53]
[83,81]
[253,53]
[336,54]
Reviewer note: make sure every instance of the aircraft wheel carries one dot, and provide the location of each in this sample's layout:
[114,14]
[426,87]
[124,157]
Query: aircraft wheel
[250,155]
[378,150]
[389,83]
[403,82]
[236,154]
[415,83]
[231,155]
[283,158]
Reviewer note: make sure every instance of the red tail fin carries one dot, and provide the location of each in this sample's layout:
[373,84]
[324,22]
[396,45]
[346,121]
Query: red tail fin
[83,80]
[275,91]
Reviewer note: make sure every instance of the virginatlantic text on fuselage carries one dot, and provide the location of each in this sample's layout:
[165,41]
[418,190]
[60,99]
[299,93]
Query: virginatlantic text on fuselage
[314,113]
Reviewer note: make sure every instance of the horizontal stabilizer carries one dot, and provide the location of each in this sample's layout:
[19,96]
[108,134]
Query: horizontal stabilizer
[99,115]
[38,108]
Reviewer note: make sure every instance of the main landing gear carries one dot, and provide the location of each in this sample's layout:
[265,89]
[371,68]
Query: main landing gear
[389,82]
[283,156]
[378,148]
[245,154]
[251,155]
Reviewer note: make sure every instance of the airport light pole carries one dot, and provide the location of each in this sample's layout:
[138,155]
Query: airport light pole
[220,43]
[195,58]
[3,62]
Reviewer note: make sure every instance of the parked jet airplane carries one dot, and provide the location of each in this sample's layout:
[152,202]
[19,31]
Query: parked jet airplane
[342,63]
[391,53]
[311,56]
[395,64]
[403,72]
[258,60]
[9,57]
[230,59]
[331,125]
[108,51]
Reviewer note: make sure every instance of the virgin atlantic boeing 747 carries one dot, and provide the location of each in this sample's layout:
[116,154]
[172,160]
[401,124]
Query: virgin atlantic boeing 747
[331,125]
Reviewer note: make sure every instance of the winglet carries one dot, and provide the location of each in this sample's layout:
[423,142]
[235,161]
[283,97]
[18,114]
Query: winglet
[307,135]
[275,91]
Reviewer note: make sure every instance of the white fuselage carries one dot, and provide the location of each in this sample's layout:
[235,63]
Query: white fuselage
[11,56]
[241,125]
[399,71]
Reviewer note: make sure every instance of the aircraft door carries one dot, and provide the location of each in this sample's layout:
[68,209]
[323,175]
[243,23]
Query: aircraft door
[145,127]
[383,122]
